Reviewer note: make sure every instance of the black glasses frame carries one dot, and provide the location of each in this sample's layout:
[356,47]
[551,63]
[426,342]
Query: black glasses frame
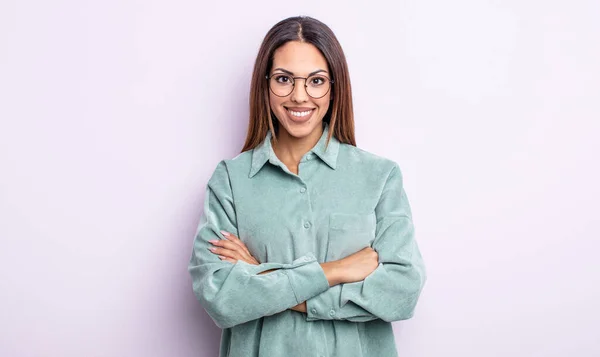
[268,77]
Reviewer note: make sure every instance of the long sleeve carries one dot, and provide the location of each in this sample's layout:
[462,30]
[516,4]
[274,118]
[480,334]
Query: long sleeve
[233,294]
[391,291]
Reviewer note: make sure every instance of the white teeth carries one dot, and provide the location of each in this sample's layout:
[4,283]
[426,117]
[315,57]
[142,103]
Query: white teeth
[299,114]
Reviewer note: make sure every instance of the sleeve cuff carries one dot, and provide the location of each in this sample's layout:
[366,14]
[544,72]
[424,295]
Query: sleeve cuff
[322,306]
[307,280]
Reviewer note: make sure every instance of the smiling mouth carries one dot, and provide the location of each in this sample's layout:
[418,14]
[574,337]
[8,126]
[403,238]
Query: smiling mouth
[299,114]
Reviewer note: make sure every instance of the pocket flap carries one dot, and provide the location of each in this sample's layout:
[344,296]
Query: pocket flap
[352,221]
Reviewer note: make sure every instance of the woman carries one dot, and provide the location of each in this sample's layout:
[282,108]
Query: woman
[306,244]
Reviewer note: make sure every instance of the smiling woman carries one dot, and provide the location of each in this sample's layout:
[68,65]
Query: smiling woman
[299,108]
[306,244]
[300,67]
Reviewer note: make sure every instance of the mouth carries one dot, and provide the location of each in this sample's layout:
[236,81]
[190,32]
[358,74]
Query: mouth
[300,114]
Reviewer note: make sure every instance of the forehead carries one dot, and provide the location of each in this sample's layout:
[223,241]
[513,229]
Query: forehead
[299,57]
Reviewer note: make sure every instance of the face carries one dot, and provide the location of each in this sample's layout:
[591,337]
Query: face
[298,114]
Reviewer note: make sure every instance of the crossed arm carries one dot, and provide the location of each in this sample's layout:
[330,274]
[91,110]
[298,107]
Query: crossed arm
[236,293]
[232,249]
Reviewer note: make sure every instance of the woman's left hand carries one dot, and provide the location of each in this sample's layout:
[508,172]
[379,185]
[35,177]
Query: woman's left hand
[232,249]
[300,307]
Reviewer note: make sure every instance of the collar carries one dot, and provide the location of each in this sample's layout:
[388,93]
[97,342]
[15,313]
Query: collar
[264,151]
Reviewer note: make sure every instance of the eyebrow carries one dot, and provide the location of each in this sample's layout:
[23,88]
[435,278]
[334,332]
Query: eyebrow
[292,73]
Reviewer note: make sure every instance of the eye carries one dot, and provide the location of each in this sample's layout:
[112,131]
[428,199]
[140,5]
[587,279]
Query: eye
[282,79]
[317,81]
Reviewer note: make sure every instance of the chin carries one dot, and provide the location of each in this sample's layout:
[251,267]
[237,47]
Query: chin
[300,130]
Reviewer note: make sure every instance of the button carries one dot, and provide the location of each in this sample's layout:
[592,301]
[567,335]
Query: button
[314,311]
[302,190]
[306,225]
[332,312]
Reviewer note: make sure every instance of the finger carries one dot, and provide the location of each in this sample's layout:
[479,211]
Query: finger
[230,246]
[232,254]
[227,259]
[225,252]
[234,257]
[235,240]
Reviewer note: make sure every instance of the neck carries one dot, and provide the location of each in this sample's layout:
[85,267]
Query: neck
[290,149]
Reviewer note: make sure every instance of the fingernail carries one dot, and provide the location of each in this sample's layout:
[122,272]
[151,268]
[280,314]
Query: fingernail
[213,241]
[225,233]
[212,249]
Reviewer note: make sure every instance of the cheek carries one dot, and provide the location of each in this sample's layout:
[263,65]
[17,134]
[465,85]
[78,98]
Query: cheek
[275,102]
[323,104]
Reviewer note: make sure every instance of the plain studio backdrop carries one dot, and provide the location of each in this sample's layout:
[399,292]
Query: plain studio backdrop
[115,113]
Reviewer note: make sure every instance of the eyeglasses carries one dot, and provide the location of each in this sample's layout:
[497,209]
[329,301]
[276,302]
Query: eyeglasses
[282,85]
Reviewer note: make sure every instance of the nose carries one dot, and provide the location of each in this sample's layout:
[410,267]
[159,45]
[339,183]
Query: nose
[299,93]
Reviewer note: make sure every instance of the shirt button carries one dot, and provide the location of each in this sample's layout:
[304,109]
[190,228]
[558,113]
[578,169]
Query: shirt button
[302,190]
[314,311]
[332,312]
[306,225]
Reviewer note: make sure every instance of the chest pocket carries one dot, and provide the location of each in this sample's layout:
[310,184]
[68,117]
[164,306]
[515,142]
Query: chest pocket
[349,233]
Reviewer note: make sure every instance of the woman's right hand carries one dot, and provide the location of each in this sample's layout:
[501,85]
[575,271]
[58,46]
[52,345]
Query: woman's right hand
[357,266]
[232,249]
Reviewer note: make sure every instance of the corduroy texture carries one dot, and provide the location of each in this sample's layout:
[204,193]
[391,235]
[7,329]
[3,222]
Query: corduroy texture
[342,200]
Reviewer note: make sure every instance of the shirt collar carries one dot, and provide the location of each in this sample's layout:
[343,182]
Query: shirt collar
[264,151]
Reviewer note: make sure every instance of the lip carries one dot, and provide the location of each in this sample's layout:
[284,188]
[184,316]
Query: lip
[299,109]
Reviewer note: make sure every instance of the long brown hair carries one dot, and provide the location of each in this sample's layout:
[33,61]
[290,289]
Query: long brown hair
[340,115]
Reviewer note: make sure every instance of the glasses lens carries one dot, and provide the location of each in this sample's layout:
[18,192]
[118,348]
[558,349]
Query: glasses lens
[281,84]
[317,86]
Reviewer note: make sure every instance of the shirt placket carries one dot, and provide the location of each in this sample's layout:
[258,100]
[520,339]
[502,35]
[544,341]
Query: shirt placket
[306,168]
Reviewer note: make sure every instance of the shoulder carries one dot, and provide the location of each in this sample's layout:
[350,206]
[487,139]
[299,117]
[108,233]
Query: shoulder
[353,157]
[227,168]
